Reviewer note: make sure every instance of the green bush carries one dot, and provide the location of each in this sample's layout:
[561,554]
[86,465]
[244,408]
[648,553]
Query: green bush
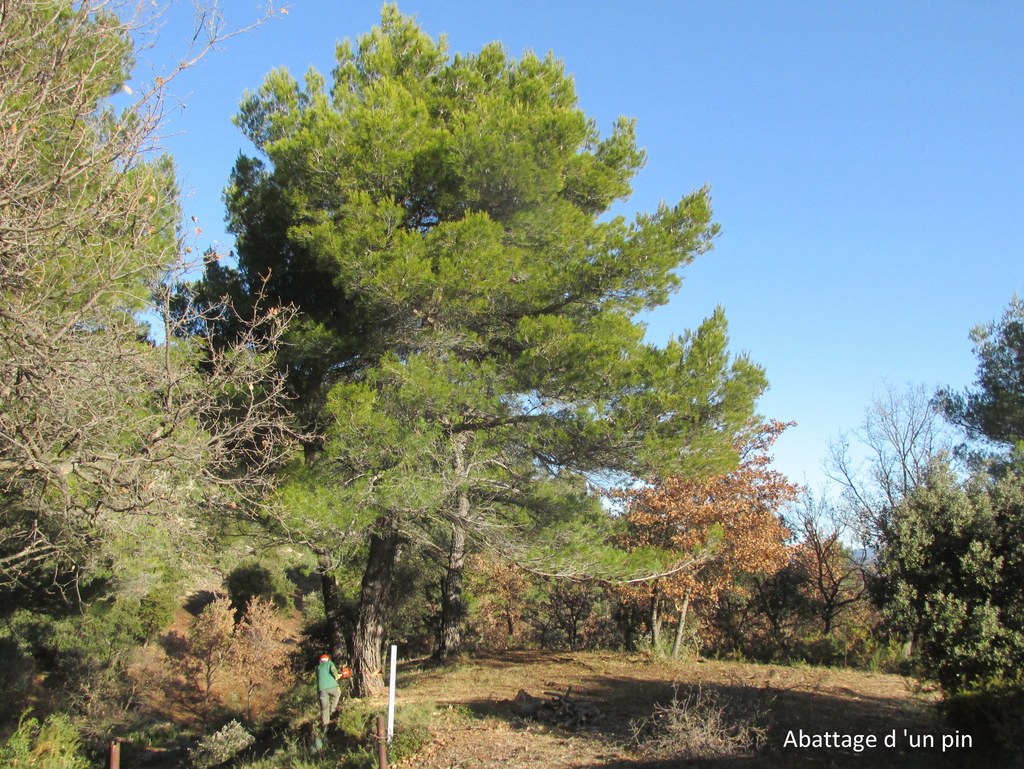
[53,744]
[59,643]
[81,655]
[220,746]
[254,580]
[156,611]
[884,655]
[818,649]
[412,731]
[951,573]
[993,714]
[356,722]
[355,748]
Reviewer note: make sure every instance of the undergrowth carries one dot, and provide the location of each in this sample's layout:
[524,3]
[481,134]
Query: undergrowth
[350,741]
[50,744]
[703,724]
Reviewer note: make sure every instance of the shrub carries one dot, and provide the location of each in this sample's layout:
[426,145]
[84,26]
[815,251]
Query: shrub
[951,573]
[220,746]
[412,731]
[258,652]
[207,651]
[254,580]
[702,724]
[156,610]
[819,649]
[994,717]
[53,744]
[357,725]
[351,743]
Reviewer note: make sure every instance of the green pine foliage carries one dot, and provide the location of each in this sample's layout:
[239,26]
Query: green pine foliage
[467,299]
[994,411]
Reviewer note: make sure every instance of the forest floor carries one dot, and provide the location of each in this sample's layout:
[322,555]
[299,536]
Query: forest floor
[478,726]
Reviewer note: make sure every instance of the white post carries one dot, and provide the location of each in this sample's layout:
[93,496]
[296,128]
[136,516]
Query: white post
[391,693]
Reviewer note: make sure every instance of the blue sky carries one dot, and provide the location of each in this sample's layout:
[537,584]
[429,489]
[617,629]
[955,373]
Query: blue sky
[866,161]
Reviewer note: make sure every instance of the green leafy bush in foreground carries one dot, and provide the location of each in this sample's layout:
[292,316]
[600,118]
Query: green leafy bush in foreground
[994,717]
[220,746]
[351,741]
[51,744]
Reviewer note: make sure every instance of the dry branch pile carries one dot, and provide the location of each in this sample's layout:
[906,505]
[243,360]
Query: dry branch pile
[558,709]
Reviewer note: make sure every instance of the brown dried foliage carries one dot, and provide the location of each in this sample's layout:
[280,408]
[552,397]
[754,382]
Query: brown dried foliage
[501,589]
[731,522]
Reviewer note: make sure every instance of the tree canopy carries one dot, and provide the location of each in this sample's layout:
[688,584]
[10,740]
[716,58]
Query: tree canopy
[467,339]
[951,574]
[726,524]
[995,410]
[106,435]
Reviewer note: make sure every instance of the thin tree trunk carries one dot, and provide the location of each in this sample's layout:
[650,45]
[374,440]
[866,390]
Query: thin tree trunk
[656,620]
[332,609]
[374,605]
[908,646]
[682,623]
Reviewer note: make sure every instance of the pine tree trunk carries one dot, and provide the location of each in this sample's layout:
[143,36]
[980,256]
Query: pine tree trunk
[332,609]
[453,606]
[374,605]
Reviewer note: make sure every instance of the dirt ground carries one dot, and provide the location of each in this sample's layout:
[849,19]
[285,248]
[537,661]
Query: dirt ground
[478,727]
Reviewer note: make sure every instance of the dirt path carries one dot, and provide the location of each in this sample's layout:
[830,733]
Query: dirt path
[478,728]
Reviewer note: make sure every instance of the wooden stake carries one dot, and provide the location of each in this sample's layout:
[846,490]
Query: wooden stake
[382,743]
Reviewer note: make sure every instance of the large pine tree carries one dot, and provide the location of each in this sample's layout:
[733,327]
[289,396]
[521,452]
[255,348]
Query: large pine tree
[468,343]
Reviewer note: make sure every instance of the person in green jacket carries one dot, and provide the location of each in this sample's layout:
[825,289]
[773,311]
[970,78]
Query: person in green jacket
[327,685]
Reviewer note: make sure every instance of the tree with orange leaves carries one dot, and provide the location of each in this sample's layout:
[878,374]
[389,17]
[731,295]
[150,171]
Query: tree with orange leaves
[728,521]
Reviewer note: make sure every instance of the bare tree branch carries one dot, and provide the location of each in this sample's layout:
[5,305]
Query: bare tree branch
[104,430]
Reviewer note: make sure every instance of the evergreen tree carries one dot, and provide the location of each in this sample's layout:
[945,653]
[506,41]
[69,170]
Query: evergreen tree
[951,574]
[467,340]
[995,410]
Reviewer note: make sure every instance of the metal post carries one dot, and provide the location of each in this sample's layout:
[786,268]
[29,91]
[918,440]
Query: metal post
[382,744]
[115,754]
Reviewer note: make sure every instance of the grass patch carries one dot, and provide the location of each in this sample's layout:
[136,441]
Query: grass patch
[351,741]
